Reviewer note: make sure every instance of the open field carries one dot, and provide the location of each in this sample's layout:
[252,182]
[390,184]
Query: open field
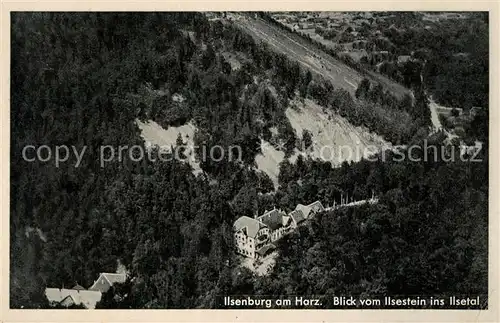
[155,135]
[334,139]
[313,58]
[264,267]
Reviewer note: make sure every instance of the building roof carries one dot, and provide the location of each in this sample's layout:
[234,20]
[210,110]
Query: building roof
[86,298]
[106,280]
[68,301]
[297,216]
[273,219]
[252,226]
[316,205]
[114,278]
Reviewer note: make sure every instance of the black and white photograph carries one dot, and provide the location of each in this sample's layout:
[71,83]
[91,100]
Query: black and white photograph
[249,160]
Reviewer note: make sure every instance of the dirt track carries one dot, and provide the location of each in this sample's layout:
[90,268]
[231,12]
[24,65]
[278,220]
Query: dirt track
[436,123]
[319,62]
[154,135]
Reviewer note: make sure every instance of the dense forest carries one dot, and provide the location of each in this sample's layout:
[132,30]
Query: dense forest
[427,236]
[82,79]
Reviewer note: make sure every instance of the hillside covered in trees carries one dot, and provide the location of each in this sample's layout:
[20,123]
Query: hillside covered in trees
[78,79]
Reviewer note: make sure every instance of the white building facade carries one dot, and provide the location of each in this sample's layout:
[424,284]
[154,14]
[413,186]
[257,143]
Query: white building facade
[255,237]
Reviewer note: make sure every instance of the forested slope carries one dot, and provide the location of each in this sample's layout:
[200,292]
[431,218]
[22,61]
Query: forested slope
[78,79]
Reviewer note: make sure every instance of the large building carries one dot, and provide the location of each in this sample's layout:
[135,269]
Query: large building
[278,222]
[250,235]
[254,237]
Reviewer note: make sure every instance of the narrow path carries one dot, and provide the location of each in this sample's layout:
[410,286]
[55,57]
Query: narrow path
[436,123]
[354,86]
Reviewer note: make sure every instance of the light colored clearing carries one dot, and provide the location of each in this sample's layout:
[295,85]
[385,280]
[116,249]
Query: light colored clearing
[266,265]
[356,55]
[247,263]
[274,130]
[232,60]
[433,106]
[269,159]
[313,61]
[155,135]
[263,267]
[334,138]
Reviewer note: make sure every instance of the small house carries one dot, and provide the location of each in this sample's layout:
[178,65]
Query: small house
[106,280]
[70,297]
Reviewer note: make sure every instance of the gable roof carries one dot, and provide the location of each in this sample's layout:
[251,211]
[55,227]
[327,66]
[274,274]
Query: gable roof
[273,219]
[297,216]
[54,294]
[317,206]
[286,220]
[106,280]
[252,226]
[69,300]
[87,298]
[306,209]
[115,278]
